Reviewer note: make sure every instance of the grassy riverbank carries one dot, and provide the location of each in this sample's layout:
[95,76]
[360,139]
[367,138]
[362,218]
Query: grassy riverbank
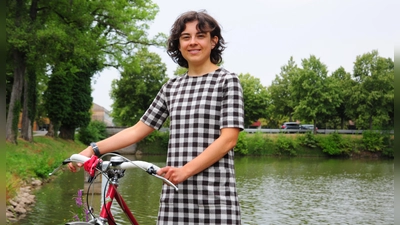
[35,160]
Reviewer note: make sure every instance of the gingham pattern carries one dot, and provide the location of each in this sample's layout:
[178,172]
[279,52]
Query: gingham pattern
[198,108]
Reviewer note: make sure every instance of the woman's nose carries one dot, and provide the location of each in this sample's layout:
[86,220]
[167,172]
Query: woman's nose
[193,40]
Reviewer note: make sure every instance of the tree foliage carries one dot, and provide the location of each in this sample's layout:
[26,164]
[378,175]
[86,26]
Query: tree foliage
[65,38]
[256,98]
[180,71]
[315,93]
[373,95]
[95,131]
[366,97]
[343,82]
[281,97]
[137,87]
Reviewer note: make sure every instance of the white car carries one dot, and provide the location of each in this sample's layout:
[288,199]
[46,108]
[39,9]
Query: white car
[307,127]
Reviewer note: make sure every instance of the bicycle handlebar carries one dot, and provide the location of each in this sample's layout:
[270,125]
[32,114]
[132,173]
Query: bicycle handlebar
[146,166]
[125,165]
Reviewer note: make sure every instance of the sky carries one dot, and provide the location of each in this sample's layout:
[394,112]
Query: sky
[262,35]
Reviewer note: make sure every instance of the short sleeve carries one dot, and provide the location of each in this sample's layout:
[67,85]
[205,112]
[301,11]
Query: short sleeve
[157,112]
[232,107]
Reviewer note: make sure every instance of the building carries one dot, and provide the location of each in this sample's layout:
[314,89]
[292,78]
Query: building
[98,113]
[101,114]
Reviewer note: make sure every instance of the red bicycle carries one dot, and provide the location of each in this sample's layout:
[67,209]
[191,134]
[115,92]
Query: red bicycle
[112,170]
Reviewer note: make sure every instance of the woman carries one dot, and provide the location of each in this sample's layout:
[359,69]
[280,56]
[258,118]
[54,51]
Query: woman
[205,107]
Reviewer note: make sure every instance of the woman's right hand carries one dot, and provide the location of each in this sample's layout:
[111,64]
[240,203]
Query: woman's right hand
[88,152]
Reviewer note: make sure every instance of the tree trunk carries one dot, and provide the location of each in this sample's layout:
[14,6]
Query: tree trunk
[14,106]
[26,125]
[370,122]
[314,128]
[29,107]
[342,123]
[67,133]
[50,130]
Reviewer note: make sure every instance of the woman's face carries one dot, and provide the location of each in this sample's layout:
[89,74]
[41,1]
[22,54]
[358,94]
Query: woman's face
[195,46]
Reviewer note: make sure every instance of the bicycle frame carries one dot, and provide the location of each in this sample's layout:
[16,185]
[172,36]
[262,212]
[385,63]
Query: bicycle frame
[112,171]
[112,193]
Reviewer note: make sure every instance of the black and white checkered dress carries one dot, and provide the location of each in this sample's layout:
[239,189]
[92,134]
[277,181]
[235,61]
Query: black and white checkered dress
[198,108]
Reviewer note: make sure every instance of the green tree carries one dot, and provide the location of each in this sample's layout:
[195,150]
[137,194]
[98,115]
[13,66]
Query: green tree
[344,84]
[78,114]
[108,33]
[316,95]
[95,131]
[256,98]
[67,35]
[58,98]
[373,97]
[180,71]
[281,96]
[20,23]
[137,87]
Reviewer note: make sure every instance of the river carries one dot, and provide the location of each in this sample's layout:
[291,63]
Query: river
[271,191]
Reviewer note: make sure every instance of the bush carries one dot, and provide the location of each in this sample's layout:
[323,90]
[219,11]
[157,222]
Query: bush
[335,144]
[258,144]
[372,141]
[241,147]
[388,142]
[43,165]
[308,140]
[285,146]
[94,132]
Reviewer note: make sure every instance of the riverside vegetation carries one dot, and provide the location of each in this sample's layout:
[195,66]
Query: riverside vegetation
[27,167]
[369,144]
[27,161]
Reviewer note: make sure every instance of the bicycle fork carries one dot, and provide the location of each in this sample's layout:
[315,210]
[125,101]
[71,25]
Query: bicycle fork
[112,193]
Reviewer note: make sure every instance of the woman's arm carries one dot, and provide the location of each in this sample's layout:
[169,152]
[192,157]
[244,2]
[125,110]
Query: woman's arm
[124,138]
[120,140]
[218,149]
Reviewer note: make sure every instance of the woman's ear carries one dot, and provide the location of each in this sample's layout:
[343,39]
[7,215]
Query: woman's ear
[214,42]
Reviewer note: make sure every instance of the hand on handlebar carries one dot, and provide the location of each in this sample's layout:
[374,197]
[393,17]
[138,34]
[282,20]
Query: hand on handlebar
[174,174]
[74,167]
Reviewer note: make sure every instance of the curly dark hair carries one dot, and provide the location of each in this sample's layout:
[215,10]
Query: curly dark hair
[206,23]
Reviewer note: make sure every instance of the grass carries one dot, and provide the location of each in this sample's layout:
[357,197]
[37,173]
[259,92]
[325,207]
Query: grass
[35,160]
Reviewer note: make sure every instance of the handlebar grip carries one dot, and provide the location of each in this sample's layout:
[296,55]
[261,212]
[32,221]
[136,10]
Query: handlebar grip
[79,158]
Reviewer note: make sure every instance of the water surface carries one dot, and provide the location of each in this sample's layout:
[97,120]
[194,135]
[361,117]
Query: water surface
[271,191]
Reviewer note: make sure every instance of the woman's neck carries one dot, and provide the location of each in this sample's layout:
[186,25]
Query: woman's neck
[194,71]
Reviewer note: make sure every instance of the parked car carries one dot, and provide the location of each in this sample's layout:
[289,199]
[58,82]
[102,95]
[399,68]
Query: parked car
[290,125]
[307,127]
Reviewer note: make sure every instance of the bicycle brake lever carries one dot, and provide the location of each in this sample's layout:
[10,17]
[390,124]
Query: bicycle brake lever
[166,181]
[55,170]
[62,164]
[152,171]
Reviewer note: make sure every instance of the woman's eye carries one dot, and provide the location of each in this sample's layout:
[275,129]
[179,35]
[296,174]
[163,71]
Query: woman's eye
[185,37]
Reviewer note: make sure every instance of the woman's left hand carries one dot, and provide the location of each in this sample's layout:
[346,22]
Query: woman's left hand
[174,174]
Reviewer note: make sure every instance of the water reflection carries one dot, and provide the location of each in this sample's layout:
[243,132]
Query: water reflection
[271,191]
[316,191]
